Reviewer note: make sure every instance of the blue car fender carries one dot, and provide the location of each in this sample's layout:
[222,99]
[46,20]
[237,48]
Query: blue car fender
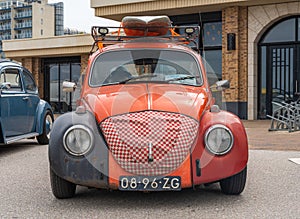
[42,109]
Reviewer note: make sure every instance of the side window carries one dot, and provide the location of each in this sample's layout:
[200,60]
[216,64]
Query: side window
[12,76]
[30,86]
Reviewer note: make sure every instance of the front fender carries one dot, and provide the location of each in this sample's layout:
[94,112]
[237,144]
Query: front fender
[41,111]
[89,170]
[208,167]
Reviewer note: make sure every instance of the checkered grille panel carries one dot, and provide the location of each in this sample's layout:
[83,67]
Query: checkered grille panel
[150,142]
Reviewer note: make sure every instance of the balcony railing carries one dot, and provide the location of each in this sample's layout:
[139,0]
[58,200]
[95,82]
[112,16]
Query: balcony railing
[5,8]
[5,37]
[5,27]
[23,25]
[5,16]
[24,14]
[23,35]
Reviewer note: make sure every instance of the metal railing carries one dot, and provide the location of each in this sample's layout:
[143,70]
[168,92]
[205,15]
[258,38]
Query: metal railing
[5,16]
[24,14]
[5,37]
[5,27]
[24,25]
[23,35]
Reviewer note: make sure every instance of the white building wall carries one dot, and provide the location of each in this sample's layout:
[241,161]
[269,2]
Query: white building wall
[43,20]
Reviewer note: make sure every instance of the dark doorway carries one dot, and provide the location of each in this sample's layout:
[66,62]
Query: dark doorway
[56,71]
[279,65]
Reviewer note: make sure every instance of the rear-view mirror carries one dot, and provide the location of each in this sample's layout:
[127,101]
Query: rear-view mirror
[69,86]
[220,85]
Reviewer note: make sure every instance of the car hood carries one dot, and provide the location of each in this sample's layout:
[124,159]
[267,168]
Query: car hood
[120,99]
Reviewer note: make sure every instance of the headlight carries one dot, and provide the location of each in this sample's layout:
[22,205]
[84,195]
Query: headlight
[218,139]
[78,140]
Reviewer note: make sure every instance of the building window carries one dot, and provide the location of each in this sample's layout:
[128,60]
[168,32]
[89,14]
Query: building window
[42,21]
[283,32]
[42,32]
[212,49]
[212,34]
[210,41]
[213,64]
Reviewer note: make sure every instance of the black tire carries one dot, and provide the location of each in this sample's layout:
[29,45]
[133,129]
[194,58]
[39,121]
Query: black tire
[44,137]
[61,188]
[235,184]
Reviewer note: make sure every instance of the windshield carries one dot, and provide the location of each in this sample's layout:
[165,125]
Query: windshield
[145,66]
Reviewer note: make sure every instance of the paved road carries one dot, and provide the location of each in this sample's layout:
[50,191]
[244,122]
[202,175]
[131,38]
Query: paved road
[272,191]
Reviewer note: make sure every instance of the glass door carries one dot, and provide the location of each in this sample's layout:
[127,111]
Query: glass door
[55,73]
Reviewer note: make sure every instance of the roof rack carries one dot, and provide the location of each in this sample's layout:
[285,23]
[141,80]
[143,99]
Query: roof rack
[183,35]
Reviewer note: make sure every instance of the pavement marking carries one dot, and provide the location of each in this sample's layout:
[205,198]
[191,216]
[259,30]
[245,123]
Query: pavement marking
[295,160]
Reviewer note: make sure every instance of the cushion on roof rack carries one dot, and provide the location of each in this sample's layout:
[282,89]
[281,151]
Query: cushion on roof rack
[146,25]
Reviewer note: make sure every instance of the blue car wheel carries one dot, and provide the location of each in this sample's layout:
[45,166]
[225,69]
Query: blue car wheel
[48,122]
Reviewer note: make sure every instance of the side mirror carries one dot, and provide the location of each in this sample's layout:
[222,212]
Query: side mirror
[69,86]
[220,85]
[5,86]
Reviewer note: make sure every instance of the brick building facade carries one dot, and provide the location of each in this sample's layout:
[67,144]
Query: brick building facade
[235,62]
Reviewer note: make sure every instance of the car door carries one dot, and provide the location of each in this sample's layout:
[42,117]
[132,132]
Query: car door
[14,103]
[32,100]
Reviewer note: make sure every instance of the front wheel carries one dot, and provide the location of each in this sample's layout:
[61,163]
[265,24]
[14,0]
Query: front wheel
[235,184]
[47,126]
[61,188]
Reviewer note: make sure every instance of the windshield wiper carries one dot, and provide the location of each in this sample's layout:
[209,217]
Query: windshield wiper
[137,77]
[183,78]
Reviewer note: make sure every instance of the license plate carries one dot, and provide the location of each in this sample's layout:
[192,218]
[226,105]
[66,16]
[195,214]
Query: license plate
[146,183]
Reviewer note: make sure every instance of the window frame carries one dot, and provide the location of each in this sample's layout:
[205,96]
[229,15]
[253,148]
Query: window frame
[297,31]
[27,72]
[19,70]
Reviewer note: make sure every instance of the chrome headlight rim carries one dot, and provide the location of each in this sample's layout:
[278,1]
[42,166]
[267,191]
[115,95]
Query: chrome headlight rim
[208,147]
[76,127]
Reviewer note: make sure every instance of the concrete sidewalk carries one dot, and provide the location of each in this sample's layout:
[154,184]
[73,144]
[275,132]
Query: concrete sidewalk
[260,138]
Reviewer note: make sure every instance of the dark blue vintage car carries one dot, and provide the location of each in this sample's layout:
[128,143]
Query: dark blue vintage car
[22,113]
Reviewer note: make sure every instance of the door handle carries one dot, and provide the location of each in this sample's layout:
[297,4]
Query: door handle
[25,98]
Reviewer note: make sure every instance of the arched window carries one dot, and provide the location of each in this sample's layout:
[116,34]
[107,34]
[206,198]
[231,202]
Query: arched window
[284,31]
[279,65]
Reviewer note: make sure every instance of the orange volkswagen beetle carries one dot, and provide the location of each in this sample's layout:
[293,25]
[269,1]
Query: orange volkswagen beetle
[146,119]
